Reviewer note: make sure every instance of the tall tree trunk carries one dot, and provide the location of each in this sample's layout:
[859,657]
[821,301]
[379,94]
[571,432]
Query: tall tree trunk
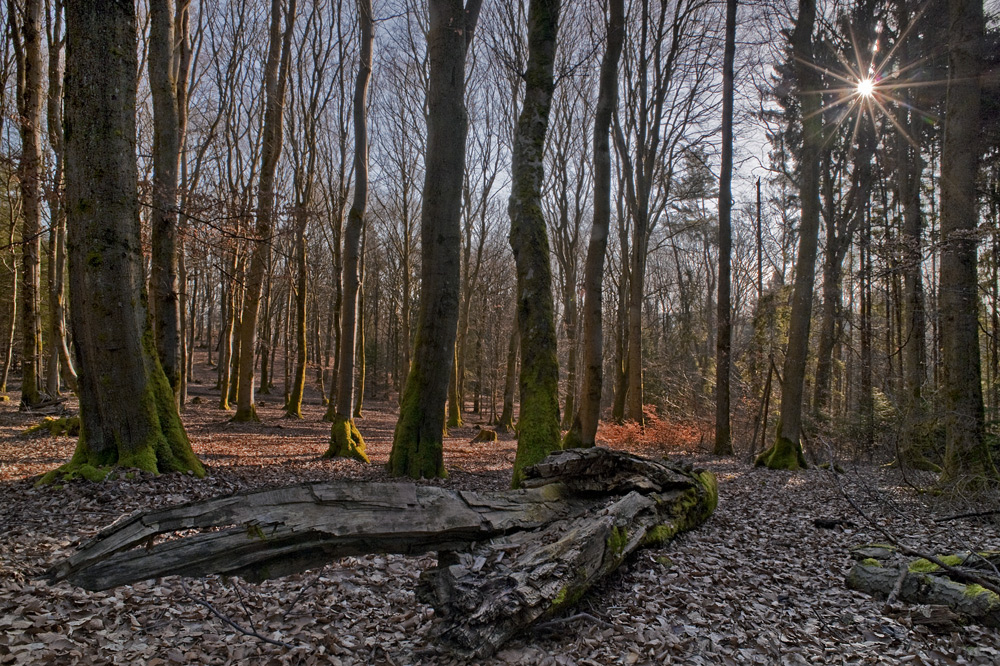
[723,350]
[417,443]
[8,343]
[345,440]
[127,409]
[57,303]
[786,452]
[584,429]
[914,321]
[275,83]
[164,296]
[967,458]
[538,426]
[27,41]
[506,421]
[293,407]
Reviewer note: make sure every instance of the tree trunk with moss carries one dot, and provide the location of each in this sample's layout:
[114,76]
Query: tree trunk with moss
[345,440]
[417,445]
[967,456]
[786,452]
[538,426]
[128,414]
[583,432]
[27,40]
[164,287]
[275,83]
[524,555]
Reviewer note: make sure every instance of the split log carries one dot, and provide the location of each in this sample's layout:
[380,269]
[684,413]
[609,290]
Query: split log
[881,570]
[505,559]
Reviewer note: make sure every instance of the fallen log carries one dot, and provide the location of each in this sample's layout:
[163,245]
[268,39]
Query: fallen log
[880,569]
[505,559]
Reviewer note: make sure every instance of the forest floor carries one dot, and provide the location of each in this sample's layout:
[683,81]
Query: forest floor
[759,583]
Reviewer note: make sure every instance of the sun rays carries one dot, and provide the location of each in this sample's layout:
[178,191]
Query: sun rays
[868,84]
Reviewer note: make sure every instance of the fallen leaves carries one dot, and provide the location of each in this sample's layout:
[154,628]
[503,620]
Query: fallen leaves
[758,584]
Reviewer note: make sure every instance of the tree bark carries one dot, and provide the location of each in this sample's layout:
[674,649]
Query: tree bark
[127,410]
[506,421]
[583,432]
[345,440]
[538,426]
[57,296]
[967,456]
[786,452]
[530,552]
[27,41]
[275,83]
[164,286]
[723,349]
[417,443]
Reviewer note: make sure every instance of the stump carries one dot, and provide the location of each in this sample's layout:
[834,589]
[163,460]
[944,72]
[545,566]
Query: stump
[505,559]
[485,435]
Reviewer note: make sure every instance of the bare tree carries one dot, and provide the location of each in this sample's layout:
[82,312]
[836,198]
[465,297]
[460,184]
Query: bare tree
[128,414]
[724,342]
[584,428]
[786,452]
[538,426]
[275,83]
[417,443]
[345,440]
[26,27]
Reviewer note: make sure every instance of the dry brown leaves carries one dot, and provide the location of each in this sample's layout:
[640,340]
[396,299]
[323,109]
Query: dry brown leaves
[758,584]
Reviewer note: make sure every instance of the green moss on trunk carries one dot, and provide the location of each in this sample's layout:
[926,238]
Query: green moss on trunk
[783,454]
[345,440]
[418,442]
[538,428]
[166,447]
[248,415]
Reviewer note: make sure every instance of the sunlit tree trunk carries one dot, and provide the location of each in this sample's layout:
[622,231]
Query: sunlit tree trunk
[61,358]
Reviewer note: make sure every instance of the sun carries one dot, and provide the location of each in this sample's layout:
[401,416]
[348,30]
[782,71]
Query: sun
[866,87]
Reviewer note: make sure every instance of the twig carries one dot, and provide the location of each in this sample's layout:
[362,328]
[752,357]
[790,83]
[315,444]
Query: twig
[971,514]
[246,632]
[571,618]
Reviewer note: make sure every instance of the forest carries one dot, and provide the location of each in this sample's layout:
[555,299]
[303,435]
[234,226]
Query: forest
[702,295]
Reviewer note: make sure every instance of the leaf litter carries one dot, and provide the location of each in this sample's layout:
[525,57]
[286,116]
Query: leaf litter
[758,584]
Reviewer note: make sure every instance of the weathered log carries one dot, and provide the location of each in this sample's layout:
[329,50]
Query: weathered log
[505,559]
[881,570]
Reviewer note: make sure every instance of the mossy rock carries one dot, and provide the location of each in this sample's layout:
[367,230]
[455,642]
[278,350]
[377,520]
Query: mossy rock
[485,435]
[64,426]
